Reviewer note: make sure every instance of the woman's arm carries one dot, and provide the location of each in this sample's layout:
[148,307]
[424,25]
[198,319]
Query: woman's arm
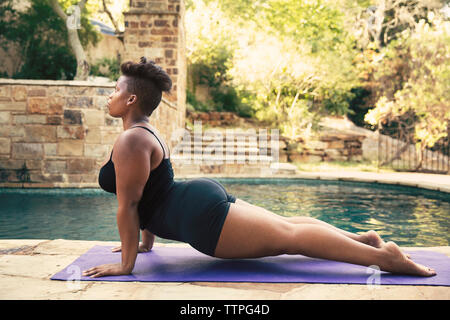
[131,160]
[128,225]
[147,239]
[146,245]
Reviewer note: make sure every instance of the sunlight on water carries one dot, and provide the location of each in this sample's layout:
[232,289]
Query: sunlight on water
[408,216]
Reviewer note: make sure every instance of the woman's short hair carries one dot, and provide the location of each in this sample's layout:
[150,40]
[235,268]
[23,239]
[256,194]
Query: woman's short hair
[147,81]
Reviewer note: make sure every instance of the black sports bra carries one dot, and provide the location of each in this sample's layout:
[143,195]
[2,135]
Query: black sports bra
[158,184]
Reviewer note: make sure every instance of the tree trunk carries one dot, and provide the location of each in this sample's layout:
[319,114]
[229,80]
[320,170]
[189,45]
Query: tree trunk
[74,40]
[82,64]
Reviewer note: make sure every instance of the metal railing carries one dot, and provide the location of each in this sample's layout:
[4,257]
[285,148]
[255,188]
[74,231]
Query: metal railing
[400,153]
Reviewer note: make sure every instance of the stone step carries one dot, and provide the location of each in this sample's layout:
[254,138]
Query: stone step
[225,149]
[234,133]
[200,150]
[224,158]
[259,169]
[235,140]
[212,135]
[225,144]
[238,153]
[218,146]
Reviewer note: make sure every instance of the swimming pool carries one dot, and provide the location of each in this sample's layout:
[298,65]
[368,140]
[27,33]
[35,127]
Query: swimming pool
[409,216]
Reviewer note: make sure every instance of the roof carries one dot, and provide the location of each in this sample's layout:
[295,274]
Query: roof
[105,29]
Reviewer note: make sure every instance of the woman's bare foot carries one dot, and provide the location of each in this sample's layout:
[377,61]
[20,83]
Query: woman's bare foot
[372,238]
[397,262]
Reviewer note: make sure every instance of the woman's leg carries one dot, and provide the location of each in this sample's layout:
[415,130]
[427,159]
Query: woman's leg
[249,234]
[371,237]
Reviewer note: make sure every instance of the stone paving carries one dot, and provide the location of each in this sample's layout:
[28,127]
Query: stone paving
[27,265]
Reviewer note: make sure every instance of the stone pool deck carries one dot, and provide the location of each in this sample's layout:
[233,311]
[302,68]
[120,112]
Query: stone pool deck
[27,265]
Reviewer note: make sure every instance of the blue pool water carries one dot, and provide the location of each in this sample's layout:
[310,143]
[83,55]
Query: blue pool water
[409,216]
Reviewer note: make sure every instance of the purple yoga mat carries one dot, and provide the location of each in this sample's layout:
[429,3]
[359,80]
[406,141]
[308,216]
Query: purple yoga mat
[174,264]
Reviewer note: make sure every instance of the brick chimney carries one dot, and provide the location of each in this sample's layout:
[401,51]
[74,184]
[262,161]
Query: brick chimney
[155,29]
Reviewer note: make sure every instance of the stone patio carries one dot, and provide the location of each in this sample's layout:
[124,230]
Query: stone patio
[27,265]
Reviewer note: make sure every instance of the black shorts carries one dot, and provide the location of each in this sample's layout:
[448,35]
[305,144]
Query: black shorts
[193,212]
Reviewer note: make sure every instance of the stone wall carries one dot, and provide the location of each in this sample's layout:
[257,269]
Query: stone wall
[59,133]
[216,119]
[108,47]
[327,147]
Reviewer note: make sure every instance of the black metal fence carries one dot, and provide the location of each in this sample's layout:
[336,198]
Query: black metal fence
[400,153]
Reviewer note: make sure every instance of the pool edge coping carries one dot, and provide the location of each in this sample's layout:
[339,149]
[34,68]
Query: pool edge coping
[368,177]
[417,180]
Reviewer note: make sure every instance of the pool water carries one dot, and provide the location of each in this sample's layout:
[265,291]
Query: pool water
[409,216]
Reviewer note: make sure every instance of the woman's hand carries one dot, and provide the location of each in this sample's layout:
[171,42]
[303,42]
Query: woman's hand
[114,269]
[142,248]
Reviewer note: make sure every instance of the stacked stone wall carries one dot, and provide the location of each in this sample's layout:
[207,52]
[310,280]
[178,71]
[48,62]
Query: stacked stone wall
[327,147]
[59,133]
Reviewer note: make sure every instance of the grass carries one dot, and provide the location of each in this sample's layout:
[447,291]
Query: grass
[358,166]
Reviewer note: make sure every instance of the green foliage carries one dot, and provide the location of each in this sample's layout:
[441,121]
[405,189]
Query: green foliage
[358,105]
[293,61]
[196,105]
[284,61]
[106,67]
[41,37]
[87,32]
[209,61]
[223,98]
[422,92]
[209,66]
[226,98]
[39,42]
[8,22]
[317,22]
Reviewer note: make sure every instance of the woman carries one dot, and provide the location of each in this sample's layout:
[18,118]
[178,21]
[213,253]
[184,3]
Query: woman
[200,211]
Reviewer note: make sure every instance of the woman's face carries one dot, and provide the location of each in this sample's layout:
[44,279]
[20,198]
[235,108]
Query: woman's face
[120,99]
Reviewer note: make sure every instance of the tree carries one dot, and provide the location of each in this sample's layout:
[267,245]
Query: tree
[109,12]
[35,40]
[295,57]
[114,21]
[319,23]
[419,106]
[375,25]
[211,44]
[384,20]
[73,24]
